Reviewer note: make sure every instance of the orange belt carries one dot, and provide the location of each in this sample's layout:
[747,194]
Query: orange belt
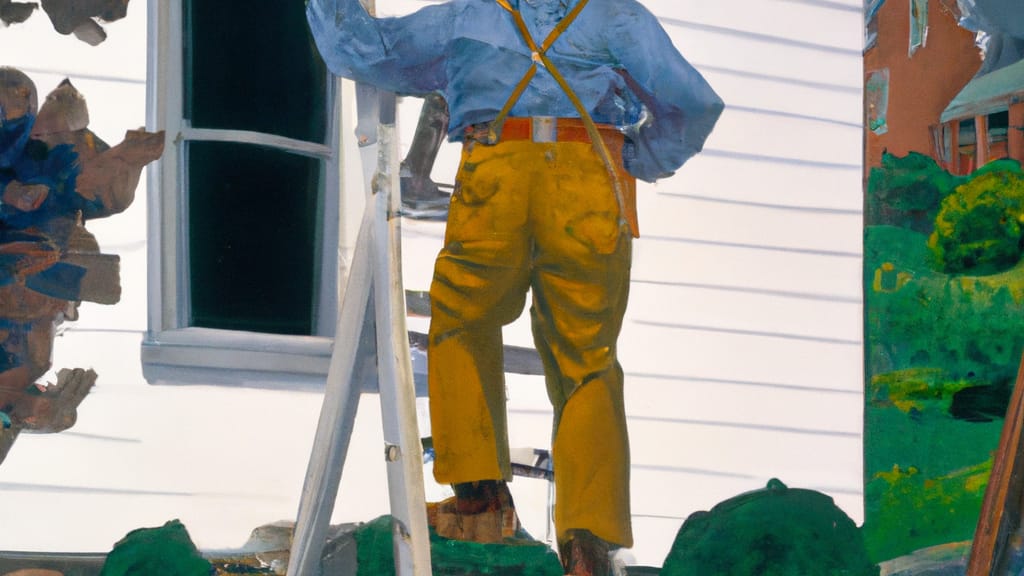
[544,129]
[550,129]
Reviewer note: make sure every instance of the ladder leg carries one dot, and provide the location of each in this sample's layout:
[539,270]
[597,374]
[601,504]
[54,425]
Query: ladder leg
[397,392]
[1001,509]
[352,363]
[371,335]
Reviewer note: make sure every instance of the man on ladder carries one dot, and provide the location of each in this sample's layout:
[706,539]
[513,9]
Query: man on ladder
[560,105]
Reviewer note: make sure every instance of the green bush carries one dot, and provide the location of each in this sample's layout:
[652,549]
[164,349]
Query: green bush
[979,227]
[776,531]
[514,557]
[905,191]
[167,551]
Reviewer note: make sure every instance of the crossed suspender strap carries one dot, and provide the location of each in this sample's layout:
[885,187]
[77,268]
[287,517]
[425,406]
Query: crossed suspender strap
[539,55]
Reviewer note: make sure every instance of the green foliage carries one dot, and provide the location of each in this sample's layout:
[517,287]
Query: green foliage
[927,338]
[914,390]
[1001,165]
[906,191]
[167,551]
[455,558]
[777,531]
[910,509]
[925,475]
[963,325]
[906,249]
[980,227]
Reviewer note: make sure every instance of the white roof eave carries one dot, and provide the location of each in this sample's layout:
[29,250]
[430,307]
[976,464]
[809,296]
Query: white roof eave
[986,94]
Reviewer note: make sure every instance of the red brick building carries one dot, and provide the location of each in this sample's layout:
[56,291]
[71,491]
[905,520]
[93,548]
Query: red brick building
[917,59]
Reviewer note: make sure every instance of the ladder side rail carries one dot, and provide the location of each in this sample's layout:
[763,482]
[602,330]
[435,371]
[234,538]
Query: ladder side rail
[1001,508]
[352,358]
[403,451]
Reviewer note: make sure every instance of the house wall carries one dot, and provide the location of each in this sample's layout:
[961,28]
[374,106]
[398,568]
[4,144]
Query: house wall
[921,85]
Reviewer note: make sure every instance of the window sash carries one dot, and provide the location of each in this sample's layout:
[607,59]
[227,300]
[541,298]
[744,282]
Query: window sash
[918,25]
[171,345]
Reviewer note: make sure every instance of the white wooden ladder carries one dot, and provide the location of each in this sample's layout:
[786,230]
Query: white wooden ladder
[370,352]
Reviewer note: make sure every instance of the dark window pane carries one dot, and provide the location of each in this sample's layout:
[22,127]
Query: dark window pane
[252,237]
[967,136]
[998,126]
[999,120]
[252,65]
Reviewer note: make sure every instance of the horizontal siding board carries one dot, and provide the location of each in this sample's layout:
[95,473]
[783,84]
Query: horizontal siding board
[655,304]
[756,225]
[825,25]
[741,406]
[680,261]
[696,455]
[719,177]
[749,358]
[766,204]
[762,56]
[736,451]
[798,116]
[752,133]
[785,93]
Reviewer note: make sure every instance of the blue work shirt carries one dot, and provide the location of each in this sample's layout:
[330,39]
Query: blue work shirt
[471,52]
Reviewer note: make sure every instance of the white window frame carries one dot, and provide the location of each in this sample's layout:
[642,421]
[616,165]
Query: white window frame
[918,26]
[173,351]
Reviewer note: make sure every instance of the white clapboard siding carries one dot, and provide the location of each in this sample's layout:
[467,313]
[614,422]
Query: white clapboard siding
[747,290]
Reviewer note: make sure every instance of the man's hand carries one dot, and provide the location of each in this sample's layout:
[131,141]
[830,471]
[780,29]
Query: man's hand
[632,131]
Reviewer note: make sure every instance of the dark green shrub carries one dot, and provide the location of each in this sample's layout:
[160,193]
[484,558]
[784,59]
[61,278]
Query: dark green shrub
[776,531]
[906,192]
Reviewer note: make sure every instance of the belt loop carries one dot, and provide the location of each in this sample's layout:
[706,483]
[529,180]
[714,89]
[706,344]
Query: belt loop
[493,133]
[544,129]
[488,133]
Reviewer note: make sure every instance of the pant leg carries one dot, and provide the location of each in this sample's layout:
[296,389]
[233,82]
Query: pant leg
[480,284]
[580,289]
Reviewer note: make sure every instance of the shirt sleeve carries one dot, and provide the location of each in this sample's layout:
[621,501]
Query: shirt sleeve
[684,106]
[402,54]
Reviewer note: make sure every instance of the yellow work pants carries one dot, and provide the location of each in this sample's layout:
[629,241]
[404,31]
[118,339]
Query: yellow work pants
[540,216]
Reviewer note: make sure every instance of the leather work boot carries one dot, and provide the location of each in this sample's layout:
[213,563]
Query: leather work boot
[585,555]
[479,512]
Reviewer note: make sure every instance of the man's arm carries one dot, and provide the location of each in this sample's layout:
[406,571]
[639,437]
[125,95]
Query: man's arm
[684,106]
[404,54]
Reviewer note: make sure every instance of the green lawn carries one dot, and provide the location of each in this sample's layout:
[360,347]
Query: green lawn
[928,336]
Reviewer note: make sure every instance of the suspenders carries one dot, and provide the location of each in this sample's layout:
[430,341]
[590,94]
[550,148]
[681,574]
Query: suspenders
[539,56]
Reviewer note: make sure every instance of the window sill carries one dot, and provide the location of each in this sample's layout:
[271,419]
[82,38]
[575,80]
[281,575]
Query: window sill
[223,357]
[250,359]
